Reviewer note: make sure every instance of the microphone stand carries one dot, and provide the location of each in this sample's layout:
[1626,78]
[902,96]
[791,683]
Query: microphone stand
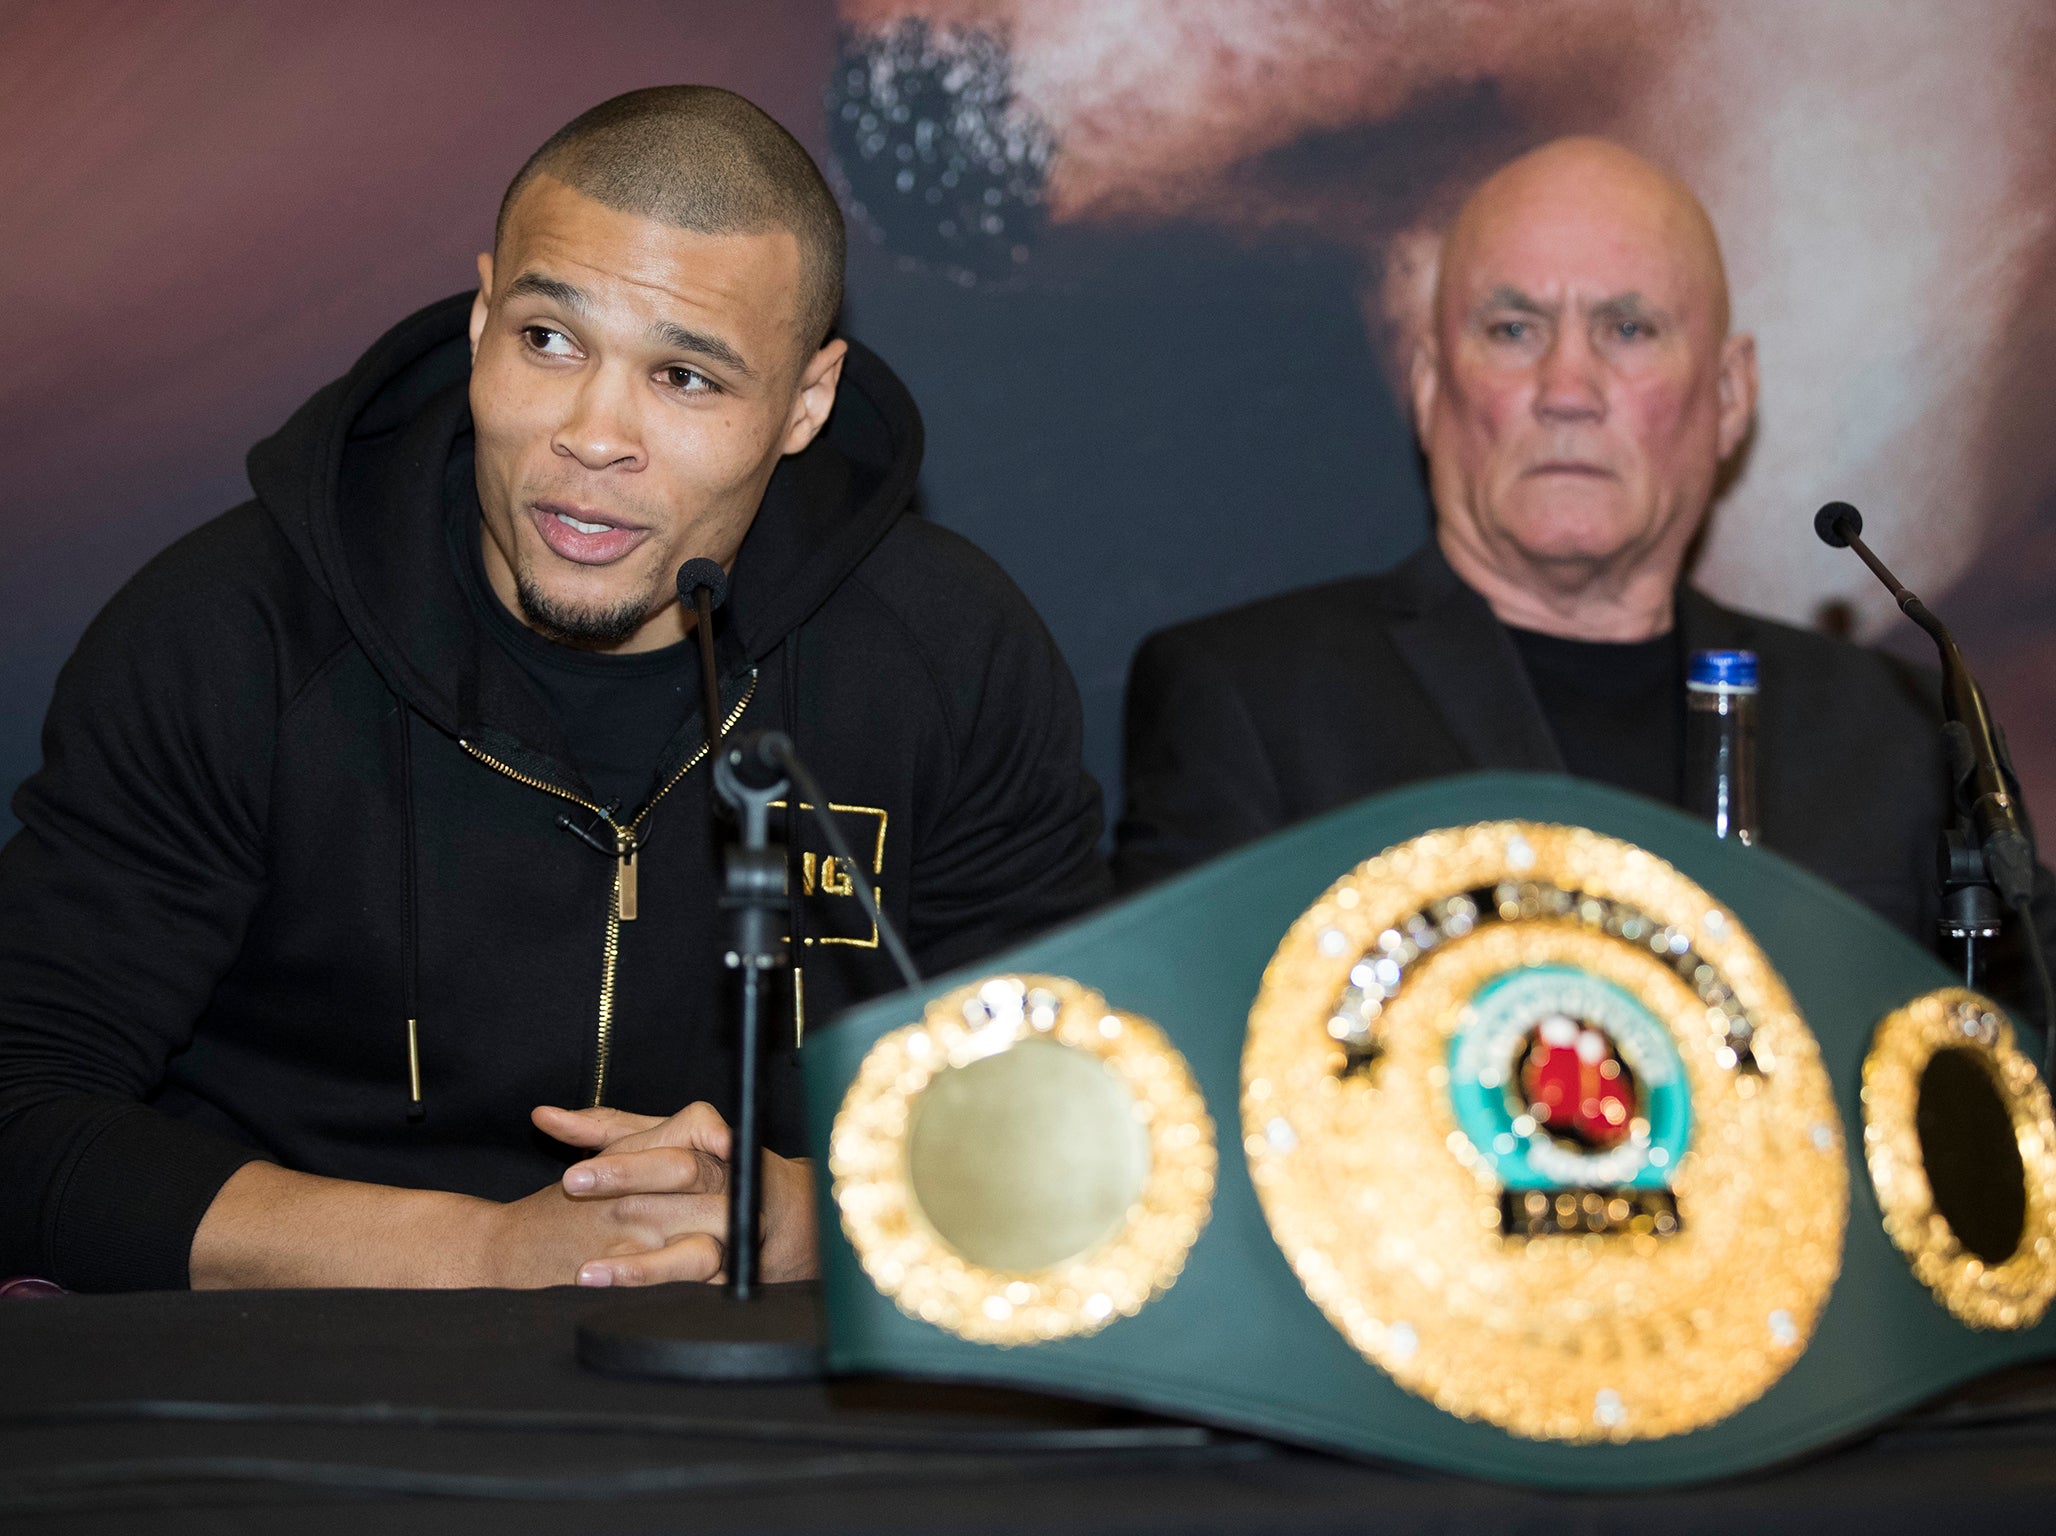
[1972,917]
[755,891]
[745,1331]
[1985,864]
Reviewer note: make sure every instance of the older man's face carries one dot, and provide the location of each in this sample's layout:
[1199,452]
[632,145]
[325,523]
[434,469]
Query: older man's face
[1579,391]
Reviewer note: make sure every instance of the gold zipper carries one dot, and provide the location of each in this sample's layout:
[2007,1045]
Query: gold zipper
[622,908]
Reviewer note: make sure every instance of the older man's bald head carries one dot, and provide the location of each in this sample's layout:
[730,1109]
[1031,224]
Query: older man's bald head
[1595,188]
[1578,389]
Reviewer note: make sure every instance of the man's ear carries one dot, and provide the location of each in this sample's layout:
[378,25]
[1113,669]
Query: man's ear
[1422,382]
[481,302]
[815,397]
[1737,391]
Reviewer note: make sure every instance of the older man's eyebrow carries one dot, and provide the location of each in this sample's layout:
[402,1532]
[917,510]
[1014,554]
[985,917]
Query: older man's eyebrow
[1628,306]
[555,289]
[679,338]
[1505,297]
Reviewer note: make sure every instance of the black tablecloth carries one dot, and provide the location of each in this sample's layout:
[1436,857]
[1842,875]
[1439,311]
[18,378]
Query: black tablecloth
[355,1369]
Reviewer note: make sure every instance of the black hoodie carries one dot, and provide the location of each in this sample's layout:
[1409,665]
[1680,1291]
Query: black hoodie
[294,796]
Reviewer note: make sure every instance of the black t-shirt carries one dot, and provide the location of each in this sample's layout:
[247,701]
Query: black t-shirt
[617,712]
[1617,710]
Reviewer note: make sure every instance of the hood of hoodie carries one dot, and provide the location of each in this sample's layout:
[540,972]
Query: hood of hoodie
[357,482]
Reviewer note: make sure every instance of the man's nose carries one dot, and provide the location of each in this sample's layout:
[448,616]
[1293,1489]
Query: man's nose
[601,429]
[1568,384]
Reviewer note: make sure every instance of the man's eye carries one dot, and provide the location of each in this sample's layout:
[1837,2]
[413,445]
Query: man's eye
[541,338]
[686,380]
[1631,330]
[1508,330]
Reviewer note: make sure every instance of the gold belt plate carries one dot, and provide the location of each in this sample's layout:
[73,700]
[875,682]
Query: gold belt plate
[1641,1263]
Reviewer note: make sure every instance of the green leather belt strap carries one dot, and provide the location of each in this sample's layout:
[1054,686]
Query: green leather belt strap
[1543,1181]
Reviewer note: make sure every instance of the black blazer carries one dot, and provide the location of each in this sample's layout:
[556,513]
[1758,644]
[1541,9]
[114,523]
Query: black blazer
[1246,721]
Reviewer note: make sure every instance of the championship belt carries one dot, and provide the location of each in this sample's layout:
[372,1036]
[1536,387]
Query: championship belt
[1508,1125]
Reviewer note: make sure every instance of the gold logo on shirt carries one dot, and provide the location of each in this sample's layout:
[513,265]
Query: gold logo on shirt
[826,874]
[833,879]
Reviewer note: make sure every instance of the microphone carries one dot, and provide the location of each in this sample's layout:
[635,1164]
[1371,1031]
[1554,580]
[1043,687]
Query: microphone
[703,587]
[696,576]
[1983,776]
[757,759]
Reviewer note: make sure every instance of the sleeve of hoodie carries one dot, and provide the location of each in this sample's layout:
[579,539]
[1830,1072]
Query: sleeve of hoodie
[1008,842]
[123,900]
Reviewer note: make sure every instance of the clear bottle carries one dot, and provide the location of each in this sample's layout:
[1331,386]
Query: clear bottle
[1720,741]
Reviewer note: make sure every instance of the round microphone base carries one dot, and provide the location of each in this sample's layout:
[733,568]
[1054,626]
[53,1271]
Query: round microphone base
[701,1333]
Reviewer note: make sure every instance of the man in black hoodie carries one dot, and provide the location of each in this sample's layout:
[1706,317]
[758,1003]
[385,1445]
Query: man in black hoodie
[371,874]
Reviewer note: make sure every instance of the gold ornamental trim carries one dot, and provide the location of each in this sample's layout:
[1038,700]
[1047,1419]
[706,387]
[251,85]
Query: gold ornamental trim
[1628,1319]
[2009,1295]
[1129,1066]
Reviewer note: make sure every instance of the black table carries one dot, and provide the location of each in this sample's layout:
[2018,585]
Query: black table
[462,1411]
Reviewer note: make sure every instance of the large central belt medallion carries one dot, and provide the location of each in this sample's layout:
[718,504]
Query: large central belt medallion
[1540,1131]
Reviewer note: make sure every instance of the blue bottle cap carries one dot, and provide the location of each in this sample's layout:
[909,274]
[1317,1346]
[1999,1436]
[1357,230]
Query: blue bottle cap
[1722,672]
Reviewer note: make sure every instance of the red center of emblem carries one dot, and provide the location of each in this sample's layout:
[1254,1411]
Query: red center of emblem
[1575,1083]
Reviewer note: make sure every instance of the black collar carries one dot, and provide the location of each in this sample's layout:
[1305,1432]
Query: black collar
[1465,661]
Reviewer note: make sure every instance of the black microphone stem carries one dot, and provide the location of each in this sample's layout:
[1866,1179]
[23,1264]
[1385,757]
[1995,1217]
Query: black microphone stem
[1985,791]
[1989,850]
[703,587]
[710,682]
[1966,700]
[1906,600]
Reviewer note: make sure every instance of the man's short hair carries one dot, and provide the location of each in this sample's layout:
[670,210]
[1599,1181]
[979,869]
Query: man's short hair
[703,159]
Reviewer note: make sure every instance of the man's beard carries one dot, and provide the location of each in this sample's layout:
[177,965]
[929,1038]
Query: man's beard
[587,629]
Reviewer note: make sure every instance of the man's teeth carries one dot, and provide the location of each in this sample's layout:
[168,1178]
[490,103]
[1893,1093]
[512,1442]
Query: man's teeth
[571,522]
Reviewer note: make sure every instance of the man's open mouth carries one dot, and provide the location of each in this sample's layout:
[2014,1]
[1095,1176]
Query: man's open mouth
[583,535]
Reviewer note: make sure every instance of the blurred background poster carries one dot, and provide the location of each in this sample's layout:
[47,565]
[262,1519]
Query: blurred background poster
[1150,268]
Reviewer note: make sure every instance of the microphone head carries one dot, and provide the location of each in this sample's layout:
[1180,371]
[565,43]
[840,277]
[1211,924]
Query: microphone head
[1837,523]
[757,758]
[695,574]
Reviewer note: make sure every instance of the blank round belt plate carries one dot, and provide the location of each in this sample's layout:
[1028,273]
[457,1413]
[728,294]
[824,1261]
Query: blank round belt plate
[1024,1164]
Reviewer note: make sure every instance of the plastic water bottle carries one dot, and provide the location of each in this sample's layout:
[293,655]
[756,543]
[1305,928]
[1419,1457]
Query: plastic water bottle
[1720,741]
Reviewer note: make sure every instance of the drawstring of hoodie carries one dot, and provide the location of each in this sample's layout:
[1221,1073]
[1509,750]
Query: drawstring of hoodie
[410,962]
[789,717]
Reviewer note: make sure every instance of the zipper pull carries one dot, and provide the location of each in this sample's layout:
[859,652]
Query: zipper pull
[624,842]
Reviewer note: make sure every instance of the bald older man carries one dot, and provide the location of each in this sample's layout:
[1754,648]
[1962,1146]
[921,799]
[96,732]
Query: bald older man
[1576,397]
